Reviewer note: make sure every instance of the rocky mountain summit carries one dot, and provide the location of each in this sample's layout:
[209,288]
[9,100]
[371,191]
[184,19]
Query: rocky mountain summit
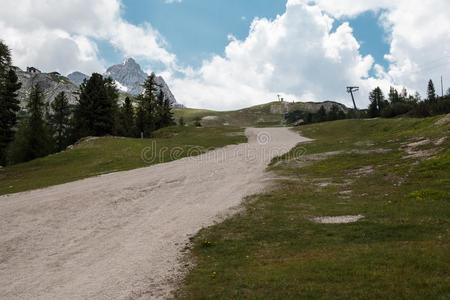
[128,76]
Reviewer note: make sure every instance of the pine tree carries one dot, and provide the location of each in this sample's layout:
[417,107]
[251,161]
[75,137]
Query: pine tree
[322,114]
[9,103]
[333,113]
[165,111]
[127,119]
[147,108]
[394,97]
[431,92]
[5,60]
[95,113]
[377,102]
[33,138]
[60,120]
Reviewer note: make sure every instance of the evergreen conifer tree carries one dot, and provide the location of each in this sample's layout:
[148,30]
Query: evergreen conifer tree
[9,103]
[127,119]
[95,113]
[147,108]
[377,102]
[431,92]
[33,139]
[60,120]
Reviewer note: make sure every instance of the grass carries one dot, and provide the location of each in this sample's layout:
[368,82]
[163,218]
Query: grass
[105,155]
[269,114]
[400,250]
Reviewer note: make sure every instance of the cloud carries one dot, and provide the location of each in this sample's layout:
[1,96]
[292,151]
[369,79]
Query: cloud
[418,32]
[172,1]
[297,55]
[63,35]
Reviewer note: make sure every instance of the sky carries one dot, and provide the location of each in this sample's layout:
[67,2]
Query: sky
[229,54]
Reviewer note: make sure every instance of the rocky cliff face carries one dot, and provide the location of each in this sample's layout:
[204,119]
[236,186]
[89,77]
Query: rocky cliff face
[129,75]
[51,84]
[77,77]
[129,78]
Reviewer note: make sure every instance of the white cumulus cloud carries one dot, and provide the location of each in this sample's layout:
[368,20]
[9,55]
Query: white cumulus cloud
[297,55]
[63,35]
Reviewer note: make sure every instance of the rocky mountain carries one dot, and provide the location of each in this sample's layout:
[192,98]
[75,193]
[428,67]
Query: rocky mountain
[129,78]
[129,75]
[77,77]
[51,84]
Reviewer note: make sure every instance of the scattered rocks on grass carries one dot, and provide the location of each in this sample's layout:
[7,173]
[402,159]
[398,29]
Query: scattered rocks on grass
[364,171]
[440,141]
[337,219]
[444,121]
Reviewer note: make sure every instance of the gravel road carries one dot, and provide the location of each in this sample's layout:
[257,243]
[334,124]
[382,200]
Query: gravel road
[121,235]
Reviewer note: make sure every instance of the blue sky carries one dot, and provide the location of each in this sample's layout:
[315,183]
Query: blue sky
[295,55]
[196,29]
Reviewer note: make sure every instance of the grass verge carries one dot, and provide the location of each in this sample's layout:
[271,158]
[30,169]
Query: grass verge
[106,155]
[396,173]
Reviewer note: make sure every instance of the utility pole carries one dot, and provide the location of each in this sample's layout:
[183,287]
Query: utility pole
[442,87]
[350,90]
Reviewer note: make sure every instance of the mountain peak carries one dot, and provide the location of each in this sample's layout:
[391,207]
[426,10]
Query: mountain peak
[130,61]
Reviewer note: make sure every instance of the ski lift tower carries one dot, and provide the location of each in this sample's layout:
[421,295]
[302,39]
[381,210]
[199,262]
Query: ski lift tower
[350,90]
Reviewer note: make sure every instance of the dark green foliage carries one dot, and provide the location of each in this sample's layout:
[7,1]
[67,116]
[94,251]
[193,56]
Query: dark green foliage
[95,114]
[377,102]
[165,111]
[198,122]
[181,122]
[431,92]
[33,138]
[154,110]
[396,109]
[60,121]
[9,103]
[147,108]
[127,119]
[299,117]
[321,115]
[294,116]
[400,105]
[9,106]
[335,113]
[394,97]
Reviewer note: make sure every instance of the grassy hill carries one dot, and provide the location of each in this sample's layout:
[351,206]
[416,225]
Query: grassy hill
[394,173]
[96,156]
[264,115]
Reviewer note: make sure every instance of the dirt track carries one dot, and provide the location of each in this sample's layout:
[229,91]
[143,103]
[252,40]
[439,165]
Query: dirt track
[120,236]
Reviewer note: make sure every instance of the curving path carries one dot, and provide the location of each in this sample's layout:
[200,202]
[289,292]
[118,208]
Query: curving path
[120,236]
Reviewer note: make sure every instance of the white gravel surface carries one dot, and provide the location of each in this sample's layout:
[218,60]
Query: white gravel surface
[120,236]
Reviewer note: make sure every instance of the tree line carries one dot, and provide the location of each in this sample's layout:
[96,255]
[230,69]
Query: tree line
[40,129]
[322,115]
[397,104]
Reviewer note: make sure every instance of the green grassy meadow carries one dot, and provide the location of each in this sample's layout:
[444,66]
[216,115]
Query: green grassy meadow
[110,154]
[394,172]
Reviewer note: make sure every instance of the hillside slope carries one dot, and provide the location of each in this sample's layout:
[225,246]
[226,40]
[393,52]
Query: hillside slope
[301,241]
[96,156]
[269,114]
